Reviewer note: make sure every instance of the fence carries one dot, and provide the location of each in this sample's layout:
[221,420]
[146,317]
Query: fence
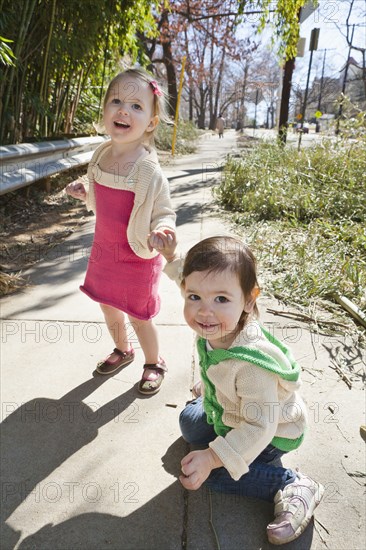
[23,164]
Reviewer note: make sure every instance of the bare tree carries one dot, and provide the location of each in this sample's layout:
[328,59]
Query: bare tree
[350,37]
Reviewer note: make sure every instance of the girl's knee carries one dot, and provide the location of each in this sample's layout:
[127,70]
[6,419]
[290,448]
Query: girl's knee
[107,309]
[193,425]
[141,325]
[184,417]
[185,424]
[140,322]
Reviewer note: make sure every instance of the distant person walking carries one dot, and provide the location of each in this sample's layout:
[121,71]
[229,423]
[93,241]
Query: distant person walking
[130,196]
[220,125]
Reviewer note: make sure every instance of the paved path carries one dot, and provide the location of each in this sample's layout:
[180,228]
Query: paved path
[292,139]
[89,463]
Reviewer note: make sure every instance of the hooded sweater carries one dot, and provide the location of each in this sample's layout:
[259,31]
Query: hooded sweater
[251,397]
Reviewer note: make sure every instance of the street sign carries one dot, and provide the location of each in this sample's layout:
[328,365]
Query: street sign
[318,114]
[314,39]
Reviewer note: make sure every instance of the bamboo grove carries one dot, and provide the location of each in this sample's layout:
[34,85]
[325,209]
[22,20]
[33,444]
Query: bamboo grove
[62,51]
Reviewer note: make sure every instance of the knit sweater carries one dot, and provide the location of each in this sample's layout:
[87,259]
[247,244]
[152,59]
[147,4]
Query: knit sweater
[257,398]
[250,395]
[152,208]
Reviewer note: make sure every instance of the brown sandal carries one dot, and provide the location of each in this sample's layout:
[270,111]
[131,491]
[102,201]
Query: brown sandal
[149,387]
[109,367]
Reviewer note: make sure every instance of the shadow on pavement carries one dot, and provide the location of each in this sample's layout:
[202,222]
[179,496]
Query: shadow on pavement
[40,435]
[189,213]
[148,528]
[157,524]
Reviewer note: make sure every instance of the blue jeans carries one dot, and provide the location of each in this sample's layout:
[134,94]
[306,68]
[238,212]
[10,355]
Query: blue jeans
[264,478]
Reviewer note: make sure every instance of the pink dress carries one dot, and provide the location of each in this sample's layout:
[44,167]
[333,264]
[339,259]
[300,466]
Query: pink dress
[116,276]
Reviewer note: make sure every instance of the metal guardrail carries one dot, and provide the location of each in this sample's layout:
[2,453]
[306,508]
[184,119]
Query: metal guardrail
[23,164]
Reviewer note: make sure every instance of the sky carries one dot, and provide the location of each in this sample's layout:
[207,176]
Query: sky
[330,17]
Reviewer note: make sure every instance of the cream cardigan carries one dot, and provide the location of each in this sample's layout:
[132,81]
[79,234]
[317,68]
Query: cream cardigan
[259,405]
[152,208]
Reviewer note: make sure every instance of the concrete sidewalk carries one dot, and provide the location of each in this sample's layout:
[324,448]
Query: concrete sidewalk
[89,463]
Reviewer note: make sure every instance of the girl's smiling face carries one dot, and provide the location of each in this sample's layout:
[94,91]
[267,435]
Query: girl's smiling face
[128,110]
[214,303]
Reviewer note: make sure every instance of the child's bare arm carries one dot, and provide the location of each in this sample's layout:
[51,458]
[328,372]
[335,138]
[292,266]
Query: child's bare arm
[76,189]
[165,242]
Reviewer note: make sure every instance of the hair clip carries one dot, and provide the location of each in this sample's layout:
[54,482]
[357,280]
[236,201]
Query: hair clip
[155,88]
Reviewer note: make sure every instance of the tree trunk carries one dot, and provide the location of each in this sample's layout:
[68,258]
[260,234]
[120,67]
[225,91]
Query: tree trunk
[169,65]
[218,87]
[364,71]
[75,101]
[285,99]
[210,85]
[201,111]
[23,125]
[104,70]
[241,120]
[189,74]
[44,87]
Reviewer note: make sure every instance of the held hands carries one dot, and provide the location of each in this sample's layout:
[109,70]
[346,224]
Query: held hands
[197,466]
[76,189]
[164,241]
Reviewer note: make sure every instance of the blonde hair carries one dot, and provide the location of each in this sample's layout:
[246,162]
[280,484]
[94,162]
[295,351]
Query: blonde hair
[160,99]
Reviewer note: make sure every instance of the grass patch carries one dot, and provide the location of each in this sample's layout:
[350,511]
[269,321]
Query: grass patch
[186,139]
[303,213]
[273,183]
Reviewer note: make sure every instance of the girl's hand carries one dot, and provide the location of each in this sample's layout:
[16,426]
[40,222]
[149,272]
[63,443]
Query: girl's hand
[197,466]
[164,241]
[76,189]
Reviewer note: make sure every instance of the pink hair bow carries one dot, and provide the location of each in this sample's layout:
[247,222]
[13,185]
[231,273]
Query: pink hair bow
[155,87]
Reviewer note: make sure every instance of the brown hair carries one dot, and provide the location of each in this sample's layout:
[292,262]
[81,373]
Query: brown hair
[217,254]
[159,100]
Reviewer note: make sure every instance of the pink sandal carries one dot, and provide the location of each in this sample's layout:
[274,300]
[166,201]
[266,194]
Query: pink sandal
[150,387]
[109,367]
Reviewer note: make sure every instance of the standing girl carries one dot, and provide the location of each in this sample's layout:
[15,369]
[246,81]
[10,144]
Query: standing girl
[249,412]
[130,197]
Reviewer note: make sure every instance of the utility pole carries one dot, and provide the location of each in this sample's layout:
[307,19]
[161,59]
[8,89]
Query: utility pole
[319,109]
[317,128]
[255,111]
[321,82]
[313,46]
[344,83]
